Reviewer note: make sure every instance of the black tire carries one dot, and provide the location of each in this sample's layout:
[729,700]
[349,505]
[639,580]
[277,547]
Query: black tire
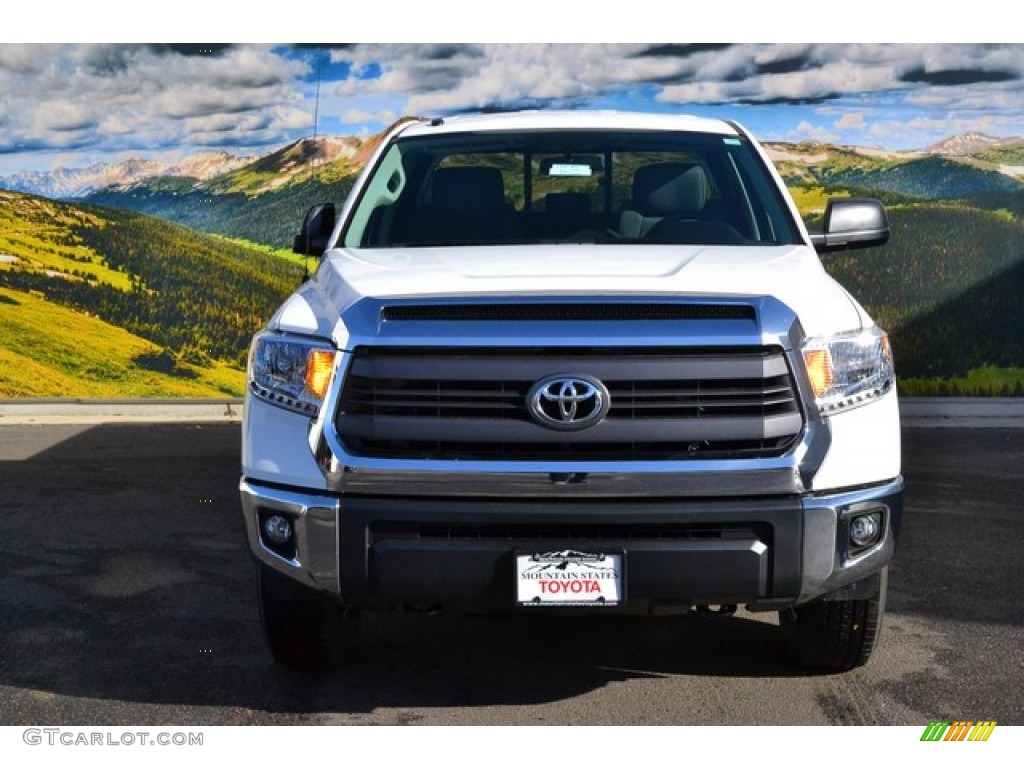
[303,629]
[836,635]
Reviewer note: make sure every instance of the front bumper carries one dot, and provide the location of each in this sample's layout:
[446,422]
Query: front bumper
[766,552]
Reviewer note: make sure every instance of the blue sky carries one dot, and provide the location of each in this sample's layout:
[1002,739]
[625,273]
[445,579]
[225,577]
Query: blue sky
[68,105]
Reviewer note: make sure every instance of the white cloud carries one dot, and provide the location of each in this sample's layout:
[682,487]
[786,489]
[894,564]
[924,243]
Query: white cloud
[120,97]
[287,117]
[476,76]
[898,81]
[25,59]
[805,130]
[460,77]
[115,98]
[357,116]
[830,80]
[922,131]
[1003,97]
[851,120]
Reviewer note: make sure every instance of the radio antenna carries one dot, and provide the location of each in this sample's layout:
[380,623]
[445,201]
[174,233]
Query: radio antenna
[312,155]
[316,115]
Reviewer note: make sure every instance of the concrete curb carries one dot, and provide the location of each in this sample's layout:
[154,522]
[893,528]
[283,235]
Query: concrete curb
[98,411]
[963,412]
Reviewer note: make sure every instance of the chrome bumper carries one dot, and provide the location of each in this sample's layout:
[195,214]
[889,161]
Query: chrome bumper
[314,518]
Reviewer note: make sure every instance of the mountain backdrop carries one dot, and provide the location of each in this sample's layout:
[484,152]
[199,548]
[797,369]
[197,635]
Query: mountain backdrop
[143,278]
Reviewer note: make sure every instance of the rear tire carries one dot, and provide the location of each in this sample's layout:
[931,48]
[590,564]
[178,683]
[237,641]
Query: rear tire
[836,635]
[304,630]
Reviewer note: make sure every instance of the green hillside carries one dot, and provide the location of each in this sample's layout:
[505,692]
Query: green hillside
[1007,202]
[38,234]
[930,177]
[272,218]
[948,284]
[910,175]
[948,287]
[954,261]
[53,351]
[195,298]
[811,163]
[1005,154]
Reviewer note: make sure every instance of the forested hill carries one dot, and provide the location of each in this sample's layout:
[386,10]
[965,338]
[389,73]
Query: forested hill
[930,178]
[948,286]
[197,297]
[271,218]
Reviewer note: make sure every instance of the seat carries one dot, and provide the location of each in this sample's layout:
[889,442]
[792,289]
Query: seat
[467,192]
[467,205]
[566,213]
[664,189]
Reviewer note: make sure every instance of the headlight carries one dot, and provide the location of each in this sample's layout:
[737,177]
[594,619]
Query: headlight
[289,372]
[847,371]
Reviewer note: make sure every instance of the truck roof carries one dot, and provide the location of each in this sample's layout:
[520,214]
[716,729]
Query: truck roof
[569,120]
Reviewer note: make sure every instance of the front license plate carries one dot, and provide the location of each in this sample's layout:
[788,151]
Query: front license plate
[569,578]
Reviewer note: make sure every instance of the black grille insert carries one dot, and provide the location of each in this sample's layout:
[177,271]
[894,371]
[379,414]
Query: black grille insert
[566,311]
[666,404]
[576,532]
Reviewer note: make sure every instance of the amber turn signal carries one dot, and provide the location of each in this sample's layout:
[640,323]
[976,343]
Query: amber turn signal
[819,370]
[318,371]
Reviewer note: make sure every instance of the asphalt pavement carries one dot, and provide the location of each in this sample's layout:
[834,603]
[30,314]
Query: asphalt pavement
[127,597]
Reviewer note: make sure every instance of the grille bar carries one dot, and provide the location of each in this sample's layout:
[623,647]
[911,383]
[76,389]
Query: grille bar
[475,366]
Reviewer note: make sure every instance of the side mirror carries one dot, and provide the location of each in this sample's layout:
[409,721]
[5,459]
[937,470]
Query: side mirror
[316,230]
[852,222]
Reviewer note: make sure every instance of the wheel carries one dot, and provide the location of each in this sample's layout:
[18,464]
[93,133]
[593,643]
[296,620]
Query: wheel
[837,635]
[303,629]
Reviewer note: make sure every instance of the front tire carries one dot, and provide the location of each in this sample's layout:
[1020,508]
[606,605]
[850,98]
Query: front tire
[304,630]
[837,635]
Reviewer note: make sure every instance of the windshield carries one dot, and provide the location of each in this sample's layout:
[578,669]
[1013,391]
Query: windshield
[569,187]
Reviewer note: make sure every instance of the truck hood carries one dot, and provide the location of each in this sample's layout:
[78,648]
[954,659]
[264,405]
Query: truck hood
[792,274]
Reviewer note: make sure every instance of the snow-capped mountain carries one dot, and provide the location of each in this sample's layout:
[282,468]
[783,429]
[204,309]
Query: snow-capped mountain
[965,144]
[78,182]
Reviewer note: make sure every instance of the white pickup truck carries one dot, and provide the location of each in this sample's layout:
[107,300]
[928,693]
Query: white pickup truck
[575,361]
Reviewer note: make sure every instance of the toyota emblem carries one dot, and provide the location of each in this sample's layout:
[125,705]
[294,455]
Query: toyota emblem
[568,402]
